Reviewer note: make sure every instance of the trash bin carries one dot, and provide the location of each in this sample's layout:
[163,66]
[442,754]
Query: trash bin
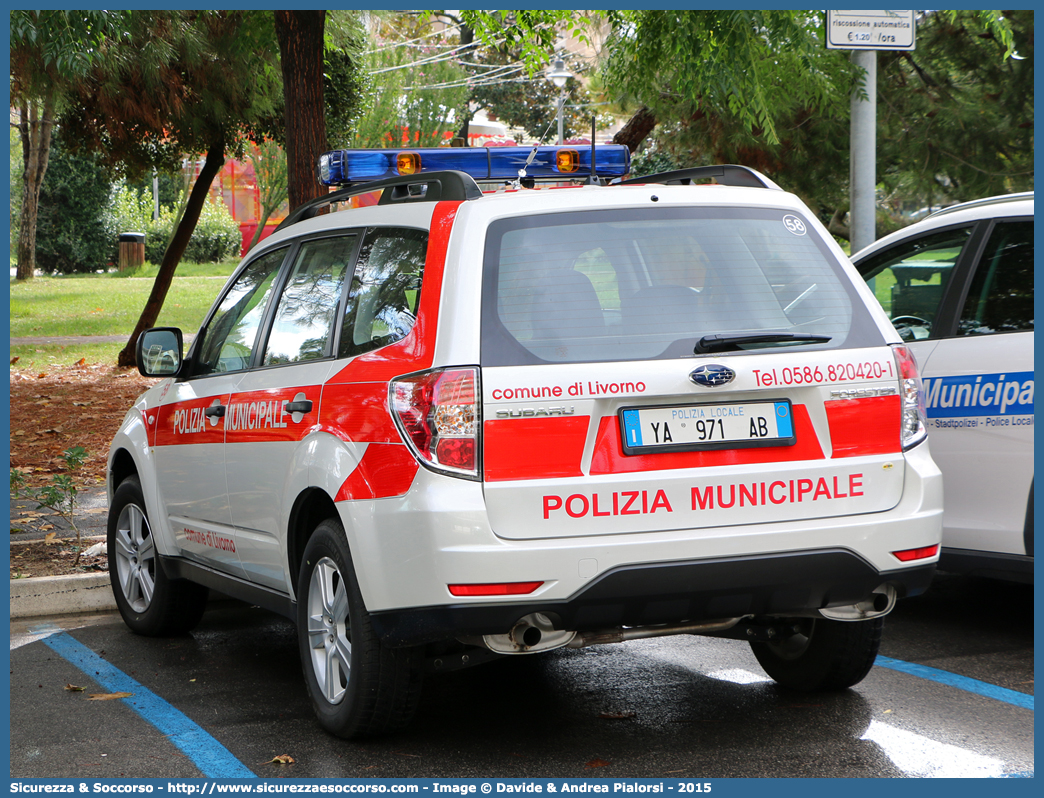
[132,250]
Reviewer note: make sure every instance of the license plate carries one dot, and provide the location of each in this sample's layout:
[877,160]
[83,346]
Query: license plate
[725,425]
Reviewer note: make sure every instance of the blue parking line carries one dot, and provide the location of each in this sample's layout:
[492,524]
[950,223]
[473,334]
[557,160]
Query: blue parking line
[960,682]
[206,753]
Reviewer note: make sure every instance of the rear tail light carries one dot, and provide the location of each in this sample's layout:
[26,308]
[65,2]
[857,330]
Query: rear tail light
[437,414]
[914,420]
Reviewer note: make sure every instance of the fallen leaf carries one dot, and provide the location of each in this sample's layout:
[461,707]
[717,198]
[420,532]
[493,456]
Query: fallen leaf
[282,759]
[14,360]
[72,688]
[50,537]
[47,526]
[616,715]
[597,763]
[107,696]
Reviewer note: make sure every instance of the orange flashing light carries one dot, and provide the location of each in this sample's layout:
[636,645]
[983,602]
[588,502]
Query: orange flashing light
[408,163]
[567,160]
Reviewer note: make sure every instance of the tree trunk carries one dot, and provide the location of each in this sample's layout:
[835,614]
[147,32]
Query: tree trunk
[211,166]
[34,128]
[637,128]
[300,36]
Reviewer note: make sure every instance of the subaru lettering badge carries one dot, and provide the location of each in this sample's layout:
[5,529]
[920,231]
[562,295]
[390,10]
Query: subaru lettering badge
[712,375]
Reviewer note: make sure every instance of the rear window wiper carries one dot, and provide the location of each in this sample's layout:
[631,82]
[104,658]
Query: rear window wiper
[720,341]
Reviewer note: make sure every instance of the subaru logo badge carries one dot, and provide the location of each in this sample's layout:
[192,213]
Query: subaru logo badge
[712,376]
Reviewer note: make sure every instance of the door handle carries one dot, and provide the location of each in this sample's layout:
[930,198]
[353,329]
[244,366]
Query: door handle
[217,411]
[301,406]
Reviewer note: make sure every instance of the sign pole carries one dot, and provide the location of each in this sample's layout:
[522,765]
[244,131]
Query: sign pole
[863,161]
[864,33]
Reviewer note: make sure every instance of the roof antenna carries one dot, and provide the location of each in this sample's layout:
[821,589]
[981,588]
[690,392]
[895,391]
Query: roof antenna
[593,179]
[528,182]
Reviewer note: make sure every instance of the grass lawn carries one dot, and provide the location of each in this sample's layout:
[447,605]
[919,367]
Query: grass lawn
[104,304]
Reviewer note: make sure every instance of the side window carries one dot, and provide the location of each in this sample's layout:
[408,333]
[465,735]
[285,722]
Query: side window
[909,279]
[229,340]
[385,292]
[307,308]
[1001,295]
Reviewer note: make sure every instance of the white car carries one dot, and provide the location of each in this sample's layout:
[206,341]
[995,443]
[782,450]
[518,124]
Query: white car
[462,424]
[959,288]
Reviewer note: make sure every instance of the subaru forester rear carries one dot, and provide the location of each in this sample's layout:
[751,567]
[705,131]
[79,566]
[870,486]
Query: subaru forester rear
[610,412]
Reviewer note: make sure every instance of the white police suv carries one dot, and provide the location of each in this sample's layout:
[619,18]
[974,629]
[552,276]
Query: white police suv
[459,424]
[959,288]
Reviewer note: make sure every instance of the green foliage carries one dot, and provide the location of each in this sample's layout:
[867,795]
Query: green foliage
[753,67]
[531,33]
[345,82]
[531,103]
[413,93]
[216,236]
[60,494]
[955,118]
[74,230]
[130,209]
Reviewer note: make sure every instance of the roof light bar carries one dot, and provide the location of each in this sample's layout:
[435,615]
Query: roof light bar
[344,167]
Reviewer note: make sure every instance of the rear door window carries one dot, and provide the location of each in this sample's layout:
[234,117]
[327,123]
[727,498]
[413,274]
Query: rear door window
[304,317]
[385,291]
[636,285]
[1000,298]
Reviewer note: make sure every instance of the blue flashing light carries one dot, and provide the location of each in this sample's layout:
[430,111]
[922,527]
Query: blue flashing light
[344,167]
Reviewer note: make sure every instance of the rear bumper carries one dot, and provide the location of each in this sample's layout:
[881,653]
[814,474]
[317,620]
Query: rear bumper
[637,595]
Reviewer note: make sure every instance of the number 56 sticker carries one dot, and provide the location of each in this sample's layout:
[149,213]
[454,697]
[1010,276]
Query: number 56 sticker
[794,225]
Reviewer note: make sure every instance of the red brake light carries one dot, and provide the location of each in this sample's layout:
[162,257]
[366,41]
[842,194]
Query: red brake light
[922,553]
[437,414]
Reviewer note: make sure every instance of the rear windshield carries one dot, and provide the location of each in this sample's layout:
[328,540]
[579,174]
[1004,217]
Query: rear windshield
[649,284]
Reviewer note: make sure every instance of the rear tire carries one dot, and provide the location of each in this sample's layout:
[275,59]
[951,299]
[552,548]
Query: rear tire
[358,686]
[151,604]
[824,655]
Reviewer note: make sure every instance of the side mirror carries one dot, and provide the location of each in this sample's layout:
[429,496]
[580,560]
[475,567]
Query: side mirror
[158,352]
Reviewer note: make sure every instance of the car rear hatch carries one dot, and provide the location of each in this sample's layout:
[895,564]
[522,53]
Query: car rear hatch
[649,369]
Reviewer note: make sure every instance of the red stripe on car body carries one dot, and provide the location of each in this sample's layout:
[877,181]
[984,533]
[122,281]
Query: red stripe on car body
[865,426]
[385,470]
[534,448]
[261,417]
[183,423]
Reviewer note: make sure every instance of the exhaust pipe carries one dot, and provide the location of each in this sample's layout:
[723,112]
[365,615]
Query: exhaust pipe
[530,634]
[880,602]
